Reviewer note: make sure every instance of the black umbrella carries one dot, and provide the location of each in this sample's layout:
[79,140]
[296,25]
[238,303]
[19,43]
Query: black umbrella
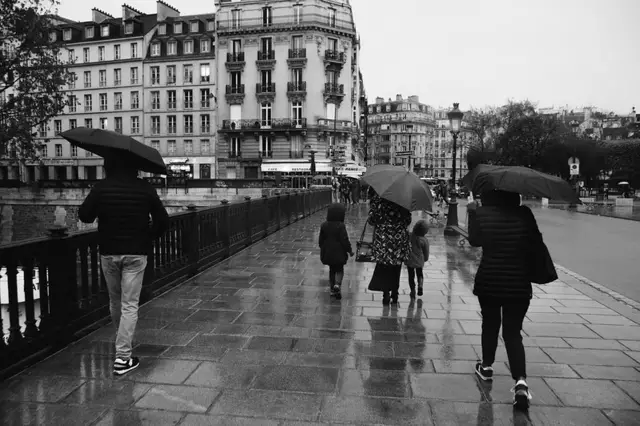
[522,180]
[108,144]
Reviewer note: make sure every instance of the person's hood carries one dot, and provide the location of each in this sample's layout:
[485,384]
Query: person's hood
[499,198]
[336,213]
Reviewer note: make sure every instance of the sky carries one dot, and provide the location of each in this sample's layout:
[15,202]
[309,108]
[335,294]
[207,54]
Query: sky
[481,52]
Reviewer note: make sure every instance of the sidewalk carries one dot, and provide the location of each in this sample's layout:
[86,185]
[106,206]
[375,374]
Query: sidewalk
[256,340]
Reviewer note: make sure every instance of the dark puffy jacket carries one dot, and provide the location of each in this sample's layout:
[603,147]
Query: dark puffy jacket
[122,204]
[334,240]
[505,235]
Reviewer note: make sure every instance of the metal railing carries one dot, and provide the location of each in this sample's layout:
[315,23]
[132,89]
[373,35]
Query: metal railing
[235,89]
[265,88]
[333,88]
[297,86]
[235,57]
[56,289]
[297,53]
[256,124]
[285,21]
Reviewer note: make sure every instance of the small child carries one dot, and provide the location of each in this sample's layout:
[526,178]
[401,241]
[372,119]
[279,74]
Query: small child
[335,247]
[419,254]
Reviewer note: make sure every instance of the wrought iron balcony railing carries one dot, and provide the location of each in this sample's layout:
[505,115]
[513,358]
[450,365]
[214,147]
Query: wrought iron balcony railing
[297,86]
[265,88]
[297,53]
[235,57]
[267,55]
[285,21]
[257,124]
[334,56]
[334,89]
[235,89]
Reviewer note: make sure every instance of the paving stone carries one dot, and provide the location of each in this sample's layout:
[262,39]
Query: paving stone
[269,404]
[608,320]
[605,372]
[594,344]
[110,393]
[205,420]
[372,411]
[622,417]
[383,383]
[89,365]
[559,330]
[50,414]
[39,389]
[634,345]
[178,398]
[299,379]
[535,369]
[445,387]
[163,371]
[591,357]
[632,388]
[140,417]
[591,394]
[215,375]
[618,332]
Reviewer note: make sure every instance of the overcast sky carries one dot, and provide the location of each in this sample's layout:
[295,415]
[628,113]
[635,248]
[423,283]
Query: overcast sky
[482,52]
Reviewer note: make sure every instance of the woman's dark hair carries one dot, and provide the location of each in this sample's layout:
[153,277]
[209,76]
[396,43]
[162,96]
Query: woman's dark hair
[421,228]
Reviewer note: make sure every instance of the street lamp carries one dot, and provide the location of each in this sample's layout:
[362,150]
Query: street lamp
[455,121]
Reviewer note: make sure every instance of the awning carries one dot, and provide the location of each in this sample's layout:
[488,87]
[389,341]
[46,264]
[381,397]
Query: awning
[294,167]
[351,171]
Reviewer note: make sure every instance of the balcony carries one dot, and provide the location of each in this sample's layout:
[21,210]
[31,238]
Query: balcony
[266,92]
[235,61]
[289,22]
[297,91]
[334,59]
[235,154]
[266,60]
[256,125]
[235,94]
[296,154]
[297,57]
[333,93]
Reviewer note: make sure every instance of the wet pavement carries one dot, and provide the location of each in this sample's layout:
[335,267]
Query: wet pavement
[257,340]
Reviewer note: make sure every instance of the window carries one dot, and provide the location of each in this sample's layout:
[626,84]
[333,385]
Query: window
[188,147]
[265,80]
[134,75]
[103,102]
[267,18]
[118,124]
[171,147]
[73,123]
[155,145]
[296,78]
[204,46]
[266,49]
[162,30]
[332,17]
[58,150]
[87,79]
[235,19]
[57,127]
[331,111]
[205,123]
[188,98]
[234,148]
[87,103]
[297,14]
[171,99]
[74,151]
[155,125]
[172,48]
[188,124]
[236,80]
[42,130]
[128,28]
[177,28]
[88,32]
[296,147]
[72,103]
[72,55]
[188,74]
[88,123]
[104,123]
[72,83]
[236,47]
[155,75]
[265,114]
[296,113]
[101,55]
[155,49]
[117,77]
[188,47]
[117,101]
[44,151]
[265,146]
[195,27]
[134,50]
[297,42]
[135,100]
[102,77]
[85,55]
[205,146]
[155,100]
[116,52]
[66,34]
[211,25]
[171,124]
[104,31]
[171,74]
[135,125]
[205,98]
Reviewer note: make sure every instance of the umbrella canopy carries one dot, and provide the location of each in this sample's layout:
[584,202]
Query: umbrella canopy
[522,180]
[399,186]
[108,144]
[623,183]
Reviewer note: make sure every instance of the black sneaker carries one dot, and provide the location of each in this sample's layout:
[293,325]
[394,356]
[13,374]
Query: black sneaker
[521,395]
[485,373]
[336,292]
[419,290]
[121,367]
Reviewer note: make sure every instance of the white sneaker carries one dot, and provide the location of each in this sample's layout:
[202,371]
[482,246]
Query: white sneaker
[521,395]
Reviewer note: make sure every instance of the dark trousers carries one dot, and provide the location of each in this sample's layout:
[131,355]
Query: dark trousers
[412,277]
[336,273]
[510,313]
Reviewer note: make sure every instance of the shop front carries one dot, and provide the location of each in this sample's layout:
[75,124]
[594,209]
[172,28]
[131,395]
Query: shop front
[294,174]
[351,170]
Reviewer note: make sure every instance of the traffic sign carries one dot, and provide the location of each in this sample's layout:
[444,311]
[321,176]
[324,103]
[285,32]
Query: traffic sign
[574,169]
[404,153]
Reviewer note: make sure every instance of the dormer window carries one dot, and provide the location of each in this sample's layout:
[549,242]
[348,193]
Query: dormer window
[53,36]
[172,48]
[204,46]
[195,27]
[211,25]
[177,28]
[66,34]
[88,32]
[162,30]
[104,31]
[128,28]
[188,47]
[155,49]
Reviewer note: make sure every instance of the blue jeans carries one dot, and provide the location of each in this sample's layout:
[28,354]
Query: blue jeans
[124,274]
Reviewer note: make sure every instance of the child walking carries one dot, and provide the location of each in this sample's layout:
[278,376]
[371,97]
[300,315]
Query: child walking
[418,256]
[335,247]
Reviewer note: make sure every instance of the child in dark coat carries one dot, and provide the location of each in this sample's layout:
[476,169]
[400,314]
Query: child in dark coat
[335,247]
[419,254]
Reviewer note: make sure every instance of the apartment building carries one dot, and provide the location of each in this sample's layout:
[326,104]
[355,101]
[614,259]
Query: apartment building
[105,54]
[441,163]
[179,92]
[401,132]
[288,84]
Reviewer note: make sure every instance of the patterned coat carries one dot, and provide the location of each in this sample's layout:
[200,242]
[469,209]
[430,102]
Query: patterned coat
[391,245]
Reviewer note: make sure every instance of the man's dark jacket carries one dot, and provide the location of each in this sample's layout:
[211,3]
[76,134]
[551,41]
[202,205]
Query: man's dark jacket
[122,204]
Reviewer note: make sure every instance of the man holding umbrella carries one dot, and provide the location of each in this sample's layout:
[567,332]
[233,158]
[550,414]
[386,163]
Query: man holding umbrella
[122,203]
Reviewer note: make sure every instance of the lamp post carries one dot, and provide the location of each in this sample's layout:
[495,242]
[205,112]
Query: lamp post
[455,121]
[312,160]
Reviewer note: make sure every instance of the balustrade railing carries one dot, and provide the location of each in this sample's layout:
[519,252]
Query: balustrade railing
[54,291]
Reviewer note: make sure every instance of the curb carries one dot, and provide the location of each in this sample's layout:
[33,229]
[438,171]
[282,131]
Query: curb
[615,295]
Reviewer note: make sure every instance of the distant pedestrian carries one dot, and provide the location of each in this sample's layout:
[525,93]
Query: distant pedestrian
[335,247]
[122,204]
[418,256]
[346,192]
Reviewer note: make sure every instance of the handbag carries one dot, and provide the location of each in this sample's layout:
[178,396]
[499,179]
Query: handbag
[541,267]
[364,249]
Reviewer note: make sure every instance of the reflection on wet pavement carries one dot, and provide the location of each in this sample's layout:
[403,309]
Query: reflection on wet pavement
[257,340]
